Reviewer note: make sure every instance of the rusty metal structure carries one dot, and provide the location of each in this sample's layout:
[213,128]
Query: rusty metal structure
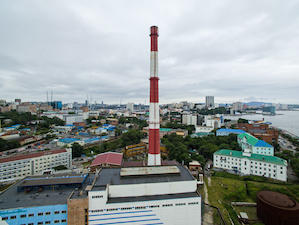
[276,208]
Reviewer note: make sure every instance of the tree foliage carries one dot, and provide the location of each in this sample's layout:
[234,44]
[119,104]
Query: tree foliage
[179,147]
[7,145]
[77,150]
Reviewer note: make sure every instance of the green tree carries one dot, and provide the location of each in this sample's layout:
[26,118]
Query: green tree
[77,150]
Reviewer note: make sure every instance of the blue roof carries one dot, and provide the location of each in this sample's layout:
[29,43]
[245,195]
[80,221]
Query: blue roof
[69,125]
[83,134]
[106,125]
[16,125]
[262,143]
[236,131]
[69,140]
[92,140]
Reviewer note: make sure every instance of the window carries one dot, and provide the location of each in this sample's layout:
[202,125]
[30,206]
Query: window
[140,207]
[56,221]
[39,223]
[48,222]
[13,217]
[30,215]
[167,205]
[63,221]
[56,212]
[40,214]
[63,211]
[47,213]
[154,206]
[23,216]
[193,203]
[5,218]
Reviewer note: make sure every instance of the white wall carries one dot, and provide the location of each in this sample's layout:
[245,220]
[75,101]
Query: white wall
[152,188]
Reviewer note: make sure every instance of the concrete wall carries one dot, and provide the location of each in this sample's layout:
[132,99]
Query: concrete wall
[152,189]
[77,211]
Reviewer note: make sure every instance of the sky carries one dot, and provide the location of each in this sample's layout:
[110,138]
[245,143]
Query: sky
[233,50]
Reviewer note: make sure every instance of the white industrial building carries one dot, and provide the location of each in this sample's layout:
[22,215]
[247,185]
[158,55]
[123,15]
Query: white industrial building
[247,163]
[145,195]
[256,146]
[22,165]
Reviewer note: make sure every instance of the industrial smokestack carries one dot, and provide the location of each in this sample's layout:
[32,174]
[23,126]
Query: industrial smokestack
[154,156]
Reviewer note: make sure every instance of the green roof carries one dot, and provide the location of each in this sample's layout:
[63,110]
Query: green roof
[255,157]
[250,139]
[165,129]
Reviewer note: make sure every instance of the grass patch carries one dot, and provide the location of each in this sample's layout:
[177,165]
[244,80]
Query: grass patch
[231,188]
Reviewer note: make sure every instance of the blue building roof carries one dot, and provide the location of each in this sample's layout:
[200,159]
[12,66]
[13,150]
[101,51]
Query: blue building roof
[262,143]
[69,140]
[90,140]
[236,131]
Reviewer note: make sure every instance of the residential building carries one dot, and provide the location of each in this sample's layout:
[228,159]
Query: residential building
[210,102]
[189,119]
[130,106]
[237,106]
[247,163]
[30,164]
[256,146]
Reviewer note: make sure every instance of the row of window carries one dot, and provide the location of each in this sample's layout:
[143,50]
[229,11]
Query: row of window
[46,222]
[144,207]
[32,215]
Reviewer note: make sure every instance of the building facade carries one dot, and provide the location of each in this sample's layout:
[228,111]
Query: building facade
[33,164]
[256,146]
[210,102]
[247,163]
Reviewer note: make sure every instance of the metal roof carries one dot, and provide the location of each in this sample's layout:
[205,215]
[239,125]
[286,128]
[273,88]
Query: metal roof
[231,131]
[33,155]
[112,158]
[152,170]
[69,140]
[262,143]
[53,180]
[255,157]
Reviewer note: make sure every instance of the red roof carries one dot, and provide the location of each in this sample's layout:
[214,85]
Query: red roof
[112,158]
[32,155]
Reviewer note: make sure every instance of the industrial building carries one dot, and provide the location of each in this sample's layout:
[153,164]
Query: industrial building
[41,199]
[23,165]
[247,163]
[145,195]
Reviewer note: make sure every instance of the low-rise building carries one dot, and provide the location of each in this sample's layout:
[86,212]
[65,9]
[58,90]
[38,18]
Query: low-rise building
[22,165]
[68,142]
[247,163]
[256,146]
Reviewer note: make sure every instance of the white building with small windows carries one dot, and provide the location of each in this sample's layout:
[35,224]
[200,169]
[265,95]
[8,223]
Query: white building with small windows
[247,163]
[16,167]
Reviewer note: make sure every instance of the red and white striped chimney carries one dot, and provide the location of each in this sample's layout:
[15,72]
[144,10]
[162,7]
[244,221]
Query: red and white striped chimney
[154,156]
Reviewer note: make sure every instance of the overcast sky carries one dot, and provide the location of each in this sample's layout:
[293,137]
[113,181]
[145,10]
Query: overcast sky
[234,50]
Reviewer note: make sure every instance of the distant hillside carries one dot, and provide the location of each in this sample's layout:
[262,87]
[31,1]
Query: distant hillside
[257,103]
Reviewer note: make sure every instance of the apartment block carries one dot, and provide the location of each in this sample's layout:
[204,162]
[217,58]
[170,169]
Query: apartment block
[33,164]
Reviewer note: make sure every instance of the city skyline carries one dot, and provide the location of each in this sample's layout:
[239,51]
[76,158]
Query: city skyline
[235,51]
